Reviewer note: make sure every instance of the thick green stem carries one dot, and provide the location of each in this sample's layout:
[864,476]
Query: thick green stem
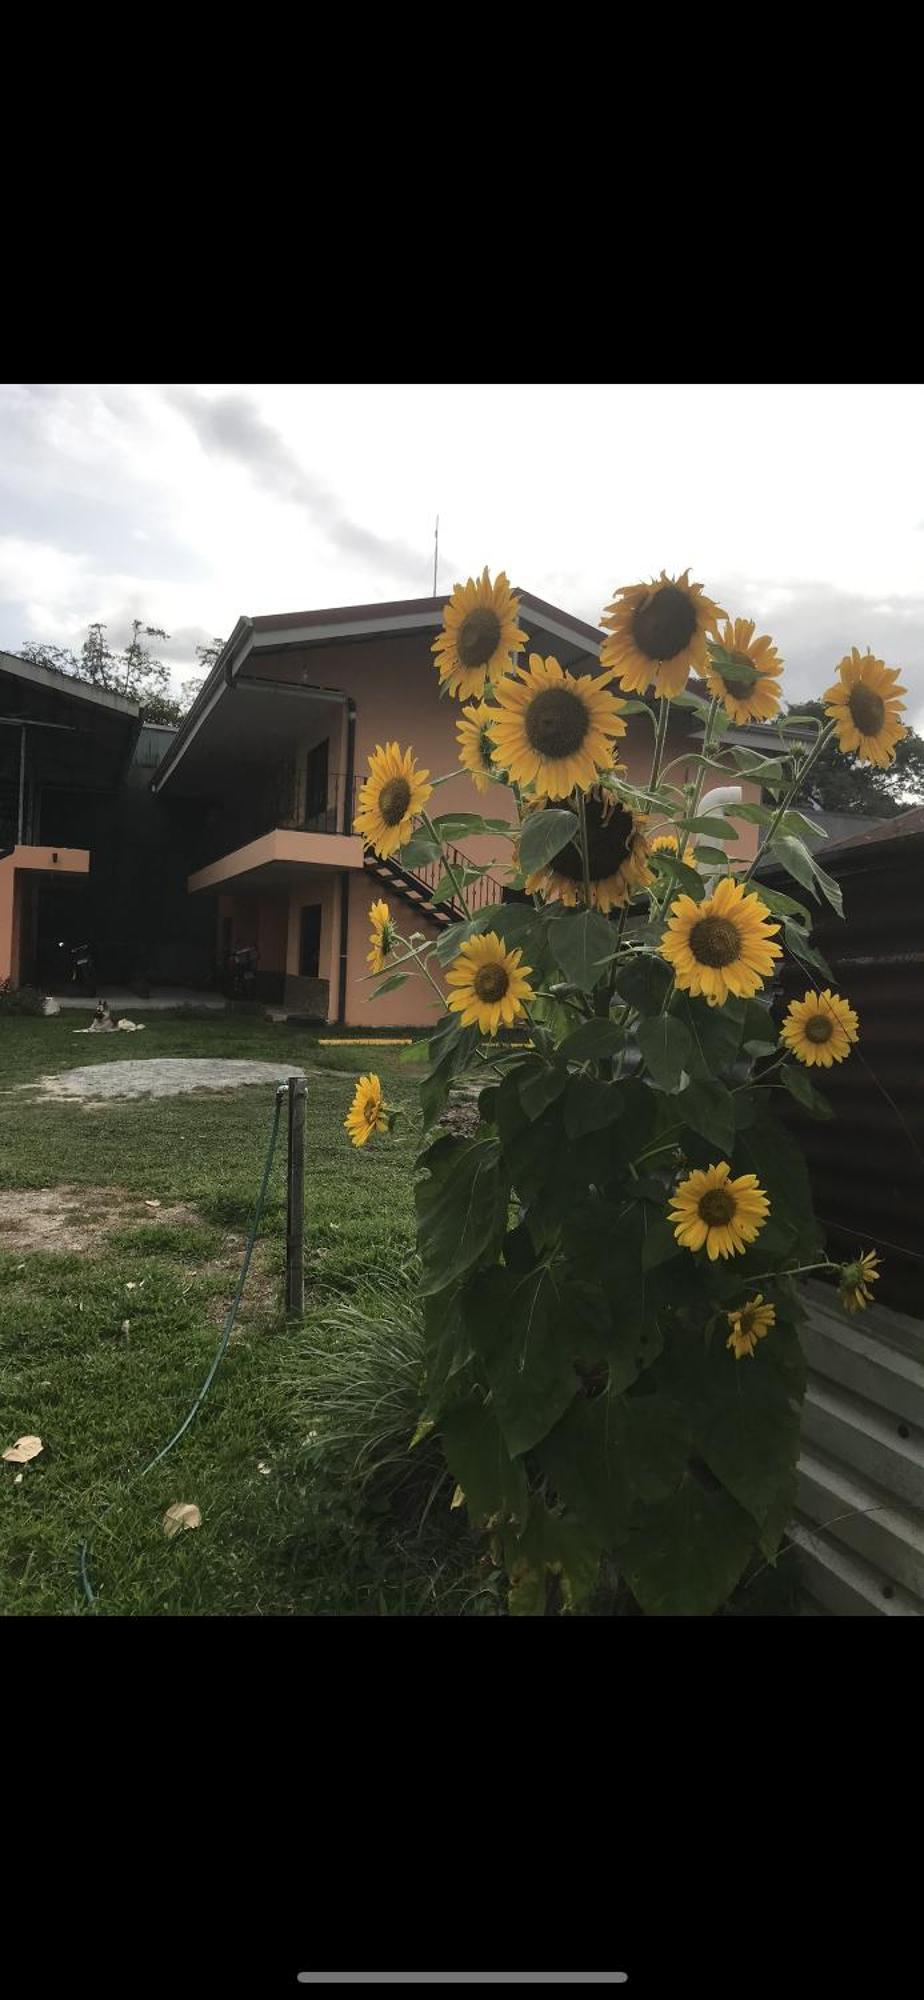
[660,741]
[585,848]
[801,774]
[707,746]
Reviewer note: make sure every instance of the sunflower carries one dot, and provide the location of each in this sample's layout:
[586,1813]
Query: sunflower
[752,692]
[749,1323]
[382,937]
[669,843]
[553,730]
[820,1028]
[855,1280]
[865,705]
[393,792]
[658,632]
[720,946]
[366,1113]
[490,983]
[476,749]
[479,634]
[709,1210]
[617,852]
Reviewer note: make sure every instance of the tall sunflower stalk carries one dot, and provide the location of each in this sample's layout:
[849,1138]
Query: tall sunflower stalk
[604,1375]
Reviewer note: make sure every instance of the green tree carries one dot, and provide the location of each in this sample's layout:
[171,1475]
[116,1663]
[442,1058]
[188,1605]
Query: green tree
[134,672]
[839,784]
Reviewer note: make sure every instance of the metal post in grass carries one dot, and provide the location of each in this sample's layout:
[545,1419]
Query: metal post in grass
[295,1200]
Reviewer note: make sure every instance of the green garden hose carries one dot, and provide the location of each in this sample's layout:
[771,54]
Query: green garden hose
[221,1350]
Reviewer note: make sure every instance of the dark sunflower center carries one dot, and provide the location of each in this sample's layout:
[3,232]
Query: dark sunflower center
[867,709]
[714,941]
[746,1322]
[609,842]
[556,722]
[479,635]
[486,748]
[818,1029]
[665,624]
[394,799]
[491,982]
[716,1207]
[370,1110]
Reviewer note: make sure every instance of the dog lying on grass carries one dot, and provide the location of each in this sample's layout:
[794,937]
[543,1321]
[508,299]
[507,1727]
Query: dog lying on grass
[103,1023]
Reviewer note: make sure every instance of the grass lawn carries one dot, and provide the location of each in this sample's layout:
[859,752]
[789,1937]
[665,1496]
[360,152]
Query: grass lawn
[104,1401]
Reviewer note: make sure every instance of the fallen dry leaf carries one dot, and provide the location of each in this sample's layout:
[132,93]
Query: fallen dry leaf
[183,1514]
[24,1449]
[151,1204]
[458,1499]
[126,1327]
[18,1479]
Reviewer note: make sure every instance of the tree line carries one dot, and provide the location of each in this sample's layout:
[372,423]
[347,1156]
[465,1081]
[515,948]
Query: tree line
[133,671]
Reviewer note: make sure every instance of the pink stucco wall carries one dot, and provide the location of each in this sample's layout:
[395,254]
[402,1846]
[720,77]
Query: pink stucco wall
[393,683]
[16,870]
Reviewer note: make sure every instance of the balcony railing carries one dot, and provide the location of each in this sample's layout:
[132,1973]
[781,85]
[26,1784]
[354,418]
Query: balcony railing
[485,889]
[333,813]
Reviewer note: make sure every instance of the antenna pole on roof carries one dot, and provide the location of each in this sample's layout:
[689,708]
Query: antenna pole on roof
[436,551]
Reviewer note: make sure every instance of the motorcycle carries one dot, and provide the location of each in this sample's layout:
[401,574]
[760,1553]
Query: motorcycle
[77,965]
[242,972]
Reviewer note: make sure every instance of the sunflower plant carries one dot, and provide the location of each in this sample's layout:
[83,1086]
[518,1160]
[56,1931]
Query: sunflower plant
[610,1262]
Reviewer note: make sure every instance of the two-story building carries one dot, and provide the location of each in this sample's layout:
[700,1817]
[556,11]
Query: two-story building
[268,764]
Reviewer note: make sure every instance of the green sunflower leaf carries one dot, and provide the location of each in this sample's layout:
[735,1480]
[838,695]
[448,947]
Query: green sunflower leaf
[660,1242]
[593,1038]
[721,829]
[709,1109]
[797,1083]
[781,905]
[605,1457]
[582,944]
[807,953]
[540,1085]
[591,1105]
[477,1456]
[461,1207]
[795,857]
[802,828]
[665,1044]
[544,834]
[712,857]
[688,1554]
[518,1329]
[419,851]
[644,981]
[685,877]
[389,985]
[549,1545]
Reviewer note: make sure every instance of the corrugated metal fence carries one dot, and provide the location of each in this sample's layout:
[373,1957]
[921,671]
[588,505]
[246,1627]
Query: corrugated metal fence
[860,1521]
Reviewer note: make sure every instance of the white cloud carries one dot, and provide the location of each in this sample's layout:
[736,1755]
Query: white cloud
[798,505]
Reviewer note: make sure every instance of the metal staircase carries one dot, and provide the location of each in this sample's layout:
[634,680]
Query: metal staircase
[416,888]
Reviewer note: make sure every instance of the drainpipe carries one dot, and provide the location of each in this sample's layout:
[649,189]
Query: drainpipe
[350,762]
[344,931]
[22,785]
[345,873]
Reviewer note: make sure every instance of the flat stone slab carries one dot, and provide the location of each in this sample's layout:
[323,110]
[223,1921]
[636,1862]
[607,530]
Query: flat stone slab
[159,1076]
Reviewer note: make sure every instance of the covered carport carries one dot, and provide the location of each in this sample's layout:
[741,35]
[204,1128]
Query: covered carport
[65,746]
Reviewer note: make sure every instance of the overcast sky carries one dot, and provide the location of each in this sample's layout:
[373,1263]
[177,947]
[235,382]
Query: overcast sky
[801,507]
